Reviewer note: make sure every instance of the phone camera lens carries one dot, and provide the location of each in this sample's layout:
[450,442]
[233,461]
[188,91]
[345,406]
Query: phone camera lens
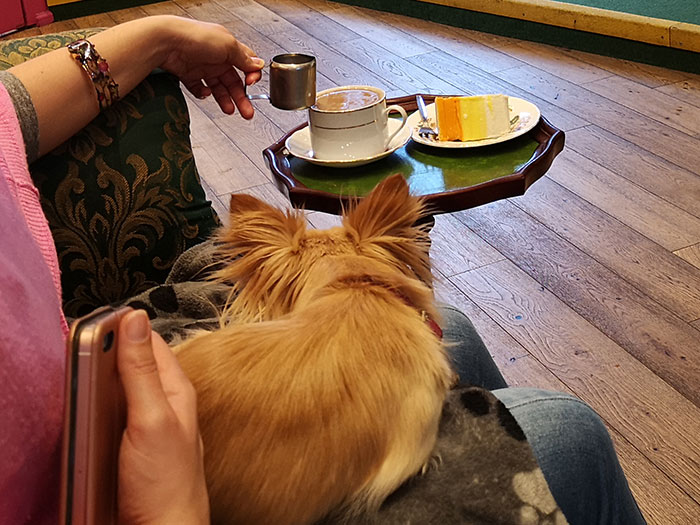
[108,341]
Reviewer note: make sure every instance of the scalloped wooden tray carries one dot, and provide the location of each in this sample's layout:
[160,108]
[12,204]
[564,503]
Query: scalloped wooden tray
[450,180]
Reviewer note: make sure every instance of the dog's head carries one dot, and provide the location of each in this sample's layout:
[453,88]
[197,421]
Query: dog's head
[270,256]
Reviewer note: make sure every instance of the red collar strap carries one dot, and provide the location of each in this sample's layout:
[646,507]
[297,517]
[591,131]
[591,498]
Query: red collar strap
[424,315]
[432,324]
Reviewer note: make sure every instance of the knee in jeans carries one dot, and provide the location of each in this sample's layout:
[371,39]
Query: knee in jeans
[580,424]
[454,320]
[558,413]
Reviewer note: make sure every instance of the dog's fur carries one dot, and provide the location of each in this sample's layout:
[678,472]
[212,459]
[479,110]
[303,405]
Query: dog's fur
[323,387]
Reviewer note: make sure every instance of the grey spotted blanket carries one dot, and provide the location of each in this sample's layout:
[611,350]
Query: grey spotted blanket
[484,471]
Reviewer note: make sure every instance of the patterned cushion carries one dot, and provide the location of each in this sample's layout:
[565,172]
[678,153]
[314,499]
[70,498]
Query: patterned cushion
[123,197]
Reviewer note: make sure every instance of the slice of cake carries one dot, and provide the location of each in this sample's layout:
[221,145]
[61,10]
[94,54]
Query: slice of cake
[472,118]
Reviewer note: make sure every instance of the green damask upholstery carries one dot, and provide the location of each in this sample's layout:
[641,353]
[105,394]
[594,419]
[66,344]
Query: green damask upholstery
[123,197]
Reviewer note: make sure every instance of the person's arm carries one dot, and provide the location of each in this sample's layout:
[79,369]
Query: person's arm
[206,58]
[161,470]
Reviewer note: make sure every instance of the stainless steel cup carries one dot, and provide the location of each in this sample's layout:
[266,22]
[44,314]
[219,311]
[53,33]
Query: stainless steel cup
[292,82]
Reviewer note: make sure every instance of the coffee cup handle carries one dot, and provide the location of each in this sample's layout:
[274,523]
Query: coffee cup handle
[404,119]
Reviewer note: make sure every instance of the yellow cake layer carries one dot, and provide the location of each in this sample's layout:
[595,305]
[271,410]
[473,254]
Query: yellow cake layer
[471,118]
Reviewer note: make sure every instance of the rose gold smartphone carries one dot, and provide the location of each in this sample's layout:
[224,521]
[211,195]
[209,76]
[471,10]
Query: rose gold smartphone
[95,418]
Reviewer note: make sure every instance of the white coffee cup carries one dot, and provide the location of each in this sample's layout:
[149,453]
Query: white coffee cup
[351,122]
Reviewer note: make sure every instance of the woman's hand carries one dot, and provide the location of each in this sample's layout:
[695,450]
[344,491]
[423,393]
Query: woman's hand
[207,58]
[161,473]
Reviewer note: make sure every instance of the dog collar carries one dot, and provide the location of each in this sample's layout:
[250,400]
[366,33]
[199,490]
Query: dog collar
[432,324]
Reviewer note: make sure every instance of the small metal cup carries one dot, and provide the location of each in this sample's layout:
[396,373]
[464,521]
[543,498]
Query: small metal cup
[292,82]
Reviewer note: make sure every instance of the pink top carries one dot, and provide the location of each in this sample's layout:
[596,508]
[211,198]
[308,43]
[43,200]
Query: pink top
[32,355]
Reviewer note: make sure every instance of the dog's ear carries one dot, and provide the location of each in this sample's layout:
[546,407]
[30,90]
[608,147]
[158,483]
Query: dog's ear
[384,225]
[388,210]
[256,224]
[242,203]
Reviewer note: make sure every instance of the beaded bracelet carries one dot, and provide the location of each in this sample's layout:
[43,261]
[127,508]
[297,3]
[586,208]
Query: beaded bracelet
[97,69]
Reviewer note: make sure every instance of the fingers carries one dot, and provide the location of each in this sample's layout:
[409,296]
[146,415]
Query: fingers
[138,369]
[229,88]
[223,93]
[197,88]
[229,93]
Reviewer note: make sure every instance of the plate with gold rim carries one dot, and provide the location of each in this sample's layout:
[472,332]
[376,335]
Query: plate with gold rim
[299,145]
[528,117]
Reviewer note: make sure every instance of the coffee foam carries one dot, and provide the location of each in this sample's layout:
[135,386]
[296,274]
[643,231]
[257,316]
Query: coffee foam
[347,99]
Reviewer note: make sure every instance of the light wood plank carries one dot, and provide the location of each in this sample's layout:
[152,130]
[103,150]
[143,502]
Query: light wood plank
[629,397]
[204,10]
[655,271]
[166,8]
[269,193]
[649,332]
[125,15]
[98,20]
[232,4]
[367,24]
[656,218]
[650,102]
[261,18]
[57,27]
[220,162]
[454,41]
[645,74]
[672,145]
[518,367]
[687,90]
[642,167]
[323,221]
[690,254]
[408,77]
[455,248]
[550,58]
[657,496]
[251,136]
[311,21]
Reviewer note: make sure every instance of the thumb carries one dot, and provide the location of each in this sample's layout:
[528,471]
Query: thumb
[137,366]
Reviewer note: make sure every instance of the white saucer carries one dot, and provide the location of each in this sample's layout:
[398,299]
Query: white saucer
[299,145]
[529,117]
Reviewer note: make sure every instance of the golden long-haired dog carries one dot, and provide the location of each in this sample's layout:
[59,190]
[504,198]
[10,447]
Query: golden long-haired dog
[322,389]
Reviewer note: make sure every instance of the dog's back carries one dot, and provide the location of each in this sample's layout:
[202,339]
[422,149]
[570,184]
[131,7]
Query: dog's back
[333,400]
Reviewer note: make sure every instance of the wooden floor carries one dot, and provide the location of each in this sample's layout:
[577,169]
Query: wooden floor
[590,283]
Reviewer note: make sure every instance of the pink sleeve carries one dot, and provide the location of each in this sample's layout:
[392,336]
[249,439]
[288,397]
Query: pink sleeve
[16,172]
[32,356]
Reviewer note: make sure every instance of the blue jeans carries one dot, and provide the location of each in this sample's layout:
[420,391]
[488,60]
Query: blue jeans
[569,440]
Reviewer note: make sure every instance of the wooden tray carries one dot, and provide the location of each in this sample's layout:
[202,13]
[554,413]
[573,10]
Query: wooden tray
[450,180]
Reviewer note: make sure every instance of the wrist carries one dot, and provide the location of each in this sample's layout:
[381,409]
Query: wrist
[161,37]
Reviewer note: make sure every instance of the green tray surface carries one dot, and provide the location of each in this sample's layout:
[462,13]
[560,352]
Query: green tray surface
[427,170]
